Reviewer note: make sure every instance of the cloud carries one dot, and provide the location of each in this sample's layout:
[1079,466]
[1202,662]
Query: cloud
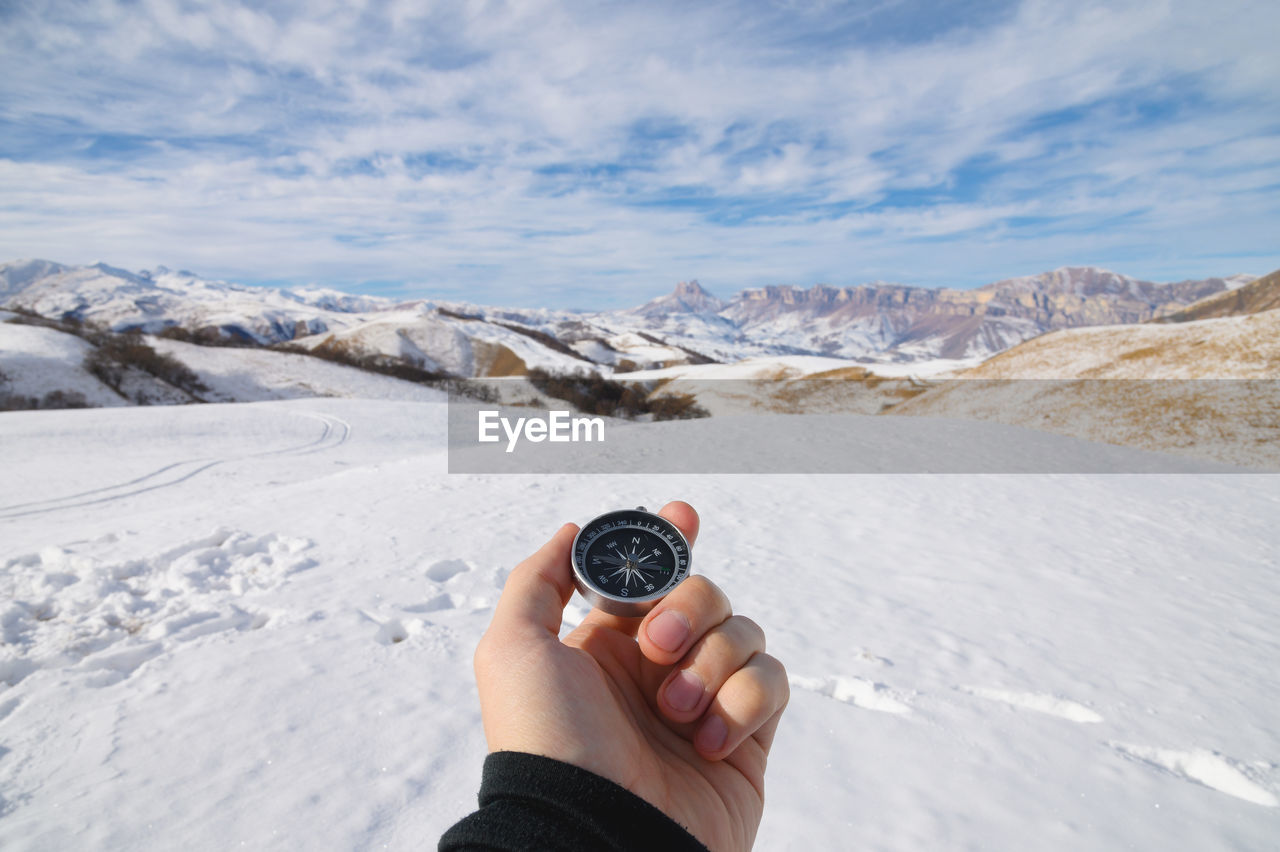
[520,152]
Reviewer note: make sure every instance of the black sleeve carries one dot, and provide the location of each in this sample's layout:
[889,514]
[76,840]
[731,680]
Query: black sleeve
[529,802]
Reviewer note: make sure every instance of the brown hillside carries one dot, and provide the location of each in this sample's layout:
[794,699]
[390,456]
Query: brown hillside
[1261,295]
[1207,388]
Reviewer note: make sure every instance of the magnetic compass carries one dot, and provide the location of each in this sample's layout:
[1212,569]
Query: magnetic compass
[624,562]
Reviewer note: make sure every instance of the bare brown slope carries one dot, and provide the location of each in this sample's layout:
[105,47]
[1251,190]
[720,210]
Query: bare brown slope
[1245,347]
[1207,388]
[1256,297]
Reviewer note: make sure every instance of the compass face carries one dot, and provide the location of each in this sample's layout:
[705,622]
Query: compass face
[624,562]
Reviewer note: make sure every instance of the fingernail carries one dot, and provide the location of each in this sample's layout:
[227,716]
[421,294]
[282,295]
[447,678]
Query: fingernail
[712,734]
[669,630]
[685,690]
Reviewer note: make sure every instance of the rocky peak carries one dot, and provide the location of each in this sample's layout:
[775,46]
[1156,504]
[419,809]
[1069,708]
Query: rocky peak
[691,295]
[687,297]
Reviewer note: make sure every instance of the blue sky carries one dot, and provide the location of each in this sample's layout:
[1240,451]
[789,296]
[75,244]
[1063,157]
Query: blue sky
[591,154]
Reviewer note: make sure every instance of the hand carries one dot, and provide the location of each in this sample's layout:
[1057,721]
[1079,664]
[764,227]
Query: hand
[679,707]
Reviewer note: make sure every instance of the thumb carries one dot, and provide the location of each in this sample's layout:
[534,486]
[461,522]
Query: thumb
[539,587]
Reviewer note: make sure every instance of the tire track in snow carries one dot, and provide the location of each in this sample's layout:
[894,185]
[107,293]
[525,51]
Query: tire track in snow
[93,491]
[70,502]
[334,433]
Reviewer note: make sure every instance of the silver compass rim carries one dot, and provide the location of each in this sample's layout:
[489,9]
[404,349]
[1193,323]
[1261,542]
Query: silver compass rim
[627,607]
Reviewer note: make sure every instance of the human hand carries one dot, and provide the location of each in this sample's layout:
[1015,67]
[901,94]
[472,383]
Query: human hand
[679,707]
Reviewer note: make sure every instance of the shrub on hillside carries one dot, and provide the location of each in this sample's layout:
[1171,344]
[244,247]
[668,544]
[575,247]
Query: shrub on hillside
[51,400]
[111,360]
[594,394]
[341,352]
[208,335]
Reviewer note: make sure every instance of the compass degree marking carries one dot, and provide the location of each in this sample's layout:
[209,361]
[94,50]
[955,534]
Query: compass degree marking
[625,561]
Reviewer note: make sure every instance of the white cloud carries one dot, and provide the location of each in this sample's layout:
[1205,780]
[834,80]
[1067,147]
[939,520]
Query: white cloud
[541,144]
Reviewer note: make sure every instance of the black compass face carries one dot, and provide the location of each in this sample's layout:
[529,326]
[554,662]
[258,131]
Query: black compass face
[624,562]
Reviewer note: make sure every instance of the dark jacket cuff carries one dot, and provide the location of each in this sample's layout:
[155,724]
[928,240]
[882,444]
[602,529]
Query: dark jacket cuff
[529,802]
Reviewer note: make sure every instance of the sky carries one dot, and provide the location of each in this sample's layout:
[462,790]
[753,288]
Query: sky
[592,154]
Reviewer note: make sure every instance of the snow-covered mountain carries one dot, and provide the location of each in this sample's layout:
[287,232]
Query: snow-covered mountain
[873,323]
[900,323]
[869,323]
[154,300]
[689,297]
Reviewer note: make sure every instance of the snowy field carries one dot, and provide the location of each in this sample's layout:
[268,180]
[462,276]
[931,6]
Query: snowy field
[251,626]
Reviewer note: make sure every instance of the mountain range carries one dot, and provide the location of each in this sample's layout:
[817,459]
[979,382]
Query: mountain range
[872,323]
[1085,371]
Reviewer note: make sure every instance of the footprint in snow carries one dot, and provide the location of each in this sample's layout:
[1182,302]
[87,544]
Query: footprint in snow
[446,569]
[113,666]
[853,690]
[868,657]
[1202,766]
[396,631]
[1040,703]
[393,631]
[196,624]
[107,617]
[7,707]
[440,602]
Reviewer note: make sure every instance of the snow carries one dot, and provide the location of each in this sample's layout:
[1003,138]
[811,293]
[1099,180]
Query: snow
[37,360]
[244,374]
[791,366]
[251,625]
[1235,282]
[1209,769]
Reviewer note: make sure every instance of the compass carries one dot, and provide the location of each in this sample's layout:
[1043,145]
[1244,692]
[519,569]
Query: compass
[624,562]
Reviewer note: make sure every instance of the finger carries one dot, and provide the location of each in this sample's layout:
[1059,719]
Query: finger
[686,520]
[683,516]
[745,703]
[726,648]
[538,588]
[682,618]
[765,733]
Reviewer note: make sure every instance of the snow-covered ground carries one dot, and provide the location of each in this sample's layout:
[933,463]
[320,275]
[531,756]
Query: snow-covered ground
[251,626]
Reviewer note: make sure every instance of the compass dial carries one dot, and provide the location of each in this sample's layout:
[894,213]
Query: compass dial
[624,562]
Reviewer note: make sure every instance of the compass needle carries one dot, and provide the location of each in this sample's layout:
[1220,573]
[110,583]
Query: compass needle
[646,557]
